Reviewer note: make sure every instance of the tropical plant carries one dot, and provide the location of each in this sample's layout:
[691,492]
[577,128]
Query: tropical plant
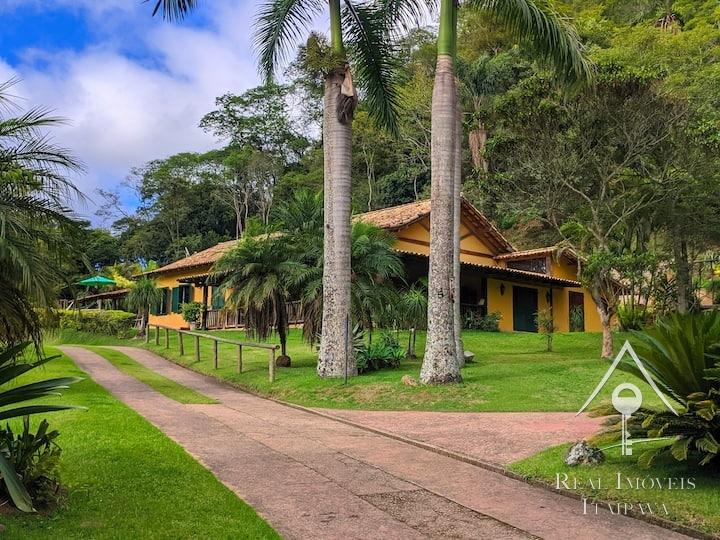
[681,352]
[633,317]
[413,312]
[577,319]
[256,273]
[381,354]
[142,297]
[546,325]
[483,323]
[35,458]
[12,398]
[36,227]
[539,26]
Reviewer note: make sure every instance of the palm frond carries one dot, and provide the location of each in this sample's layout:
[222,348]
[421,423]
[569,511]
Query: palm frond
[279,25]
[374,59]
[536,23]
[173,10]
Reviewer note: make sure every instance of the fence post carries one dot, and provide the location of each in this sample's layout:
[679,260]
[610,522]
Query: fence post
[157,335]
[272,365]
[239,362]
[215,354]
[197,348]
[167,338]
[182,345]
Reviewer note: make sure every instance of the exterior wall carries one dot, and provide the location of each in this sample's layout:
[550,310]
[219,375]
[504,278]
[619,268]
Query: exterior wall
[175,320]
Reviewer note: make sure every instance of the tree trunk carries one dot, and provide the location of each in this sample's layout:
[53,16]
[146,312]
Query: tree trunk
[477,140]
[457,213]
[440,363]
[143,324]
[606,314]
[282,326]
[335,346]
[682,272]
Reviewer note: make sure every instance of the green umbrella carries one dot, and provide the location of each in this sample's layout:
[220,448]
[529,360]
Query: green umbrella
[96,281]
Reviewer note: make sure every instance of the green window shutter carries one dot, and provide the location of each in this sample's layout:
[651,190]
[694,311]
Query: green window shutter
[176,300]
[165,301]
[155,308]
[218,298]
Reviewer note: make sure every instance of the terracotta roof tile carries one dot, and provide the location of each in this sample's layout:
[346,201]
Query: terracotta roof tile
[206,257]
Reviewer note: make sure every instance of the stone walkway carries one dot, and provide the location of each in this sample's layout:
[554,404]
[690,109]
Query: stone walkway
[314,477]
[495,438]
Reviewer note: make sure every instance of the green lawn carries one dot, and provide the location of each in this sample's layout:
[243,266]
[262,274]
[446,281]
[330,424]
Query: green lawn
[127,480]
[698,507]
[512,372]
[165,386]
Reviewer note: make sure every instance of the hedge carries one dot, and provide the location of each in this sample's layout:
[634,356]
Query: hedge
[120,324]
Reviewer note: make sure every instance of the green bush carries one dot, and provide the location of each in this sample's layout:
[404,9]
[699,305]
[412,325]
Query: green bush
[383,353]
[682,355]
[633,317]
[488,323]
[577,319]
[191,311]
[35,458]
[120,324]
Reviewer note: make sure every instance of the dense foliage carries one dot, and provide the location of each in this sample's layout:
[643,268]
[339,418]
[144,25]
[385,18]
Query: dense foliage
[120,324]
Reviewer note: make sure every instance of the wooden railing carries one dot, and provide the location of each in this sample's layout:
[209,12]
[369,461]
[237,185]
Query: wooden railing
[225,318]
[272,349]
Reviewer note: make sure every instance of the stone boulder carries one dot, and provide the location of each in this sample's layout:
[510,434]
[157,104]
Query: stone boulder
[583,454]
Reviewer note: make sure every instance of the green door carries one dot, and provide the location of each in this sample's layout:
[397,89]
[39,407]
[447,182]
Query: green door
[525,307]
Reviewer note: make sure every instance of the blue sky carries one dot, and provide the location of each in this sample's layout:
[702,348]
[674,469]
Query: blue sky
[134,88]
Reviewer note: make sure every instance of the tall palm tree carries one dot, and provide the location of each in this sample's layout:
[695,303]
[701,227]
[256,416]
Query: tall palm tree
[359,37]
[142,297]
[36,227]
[535,22]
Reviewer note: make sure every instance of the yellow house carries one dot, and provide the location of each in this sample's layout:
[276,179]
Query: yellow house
[495,277]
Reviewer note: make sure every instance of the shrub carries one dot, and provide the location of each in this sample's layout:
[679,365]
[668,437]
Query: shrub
[633,317]
[35,458]
[682,355]
[28,461]
[120,324]
[488,323]
[191,311]
[546,326]
[380,354]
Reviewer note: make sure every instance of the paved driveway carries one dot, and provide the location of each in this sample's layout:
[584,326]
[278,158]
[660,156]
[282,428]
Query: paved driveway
[314,477]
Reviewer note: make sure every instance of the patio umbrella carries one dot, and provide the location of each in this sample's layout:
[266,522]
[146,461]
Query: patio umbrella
[96,281]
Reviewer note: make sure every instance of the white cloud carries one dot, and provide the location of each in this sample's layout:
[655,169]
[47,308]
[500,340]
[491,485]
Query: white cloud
[128,109]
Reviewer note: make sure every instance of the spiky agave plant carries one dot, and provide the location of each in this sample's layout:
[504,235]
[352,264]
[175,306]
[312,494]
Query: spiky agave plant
[682,354]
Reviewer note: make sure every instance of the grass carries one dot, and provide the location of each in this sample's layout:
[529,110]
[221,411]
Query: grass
[512,372]
[165,386]
[125,479]
[698,507]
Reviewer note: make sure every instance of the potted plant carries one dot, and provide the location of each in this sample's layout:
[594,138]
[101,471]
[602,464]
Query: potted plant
[191,312]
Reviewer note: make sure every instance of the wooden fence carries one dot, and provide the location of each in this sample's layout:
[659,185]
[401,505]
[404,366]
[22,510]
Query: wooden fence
[197,336]
[225,318]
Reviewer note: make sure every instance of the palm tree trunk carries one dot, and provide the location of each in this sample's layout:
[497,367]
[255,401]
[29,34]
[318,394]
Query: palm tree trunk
[440,363]
[457,213]
[336,265]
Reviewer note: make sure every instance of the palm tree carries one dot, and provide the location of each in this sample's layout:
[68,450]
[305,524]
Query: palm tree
[256,273]
[142,297]
[413,307]
[36,227]
[359,33]
[535,22]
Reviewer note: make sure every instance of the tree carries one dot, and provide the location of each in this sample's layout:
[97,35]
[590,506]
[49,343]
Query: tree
[359,35]
[142,297]
[256,273]
[551,38]
[37,230]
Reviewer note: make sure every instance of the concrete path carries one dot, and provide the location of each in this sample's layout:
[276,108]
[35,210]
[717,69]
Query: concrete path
[497,438]
[314,477]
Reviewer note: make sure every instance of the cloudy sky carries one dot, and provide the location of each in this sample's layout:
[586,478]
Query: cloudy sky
[133,87]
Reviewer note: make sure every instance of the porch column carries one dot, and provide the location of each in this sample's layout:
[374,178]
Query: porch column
[205,307]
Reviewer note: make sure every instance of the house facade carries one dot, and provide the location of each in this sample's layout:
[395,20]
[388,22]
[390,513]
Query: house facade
[495,277]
